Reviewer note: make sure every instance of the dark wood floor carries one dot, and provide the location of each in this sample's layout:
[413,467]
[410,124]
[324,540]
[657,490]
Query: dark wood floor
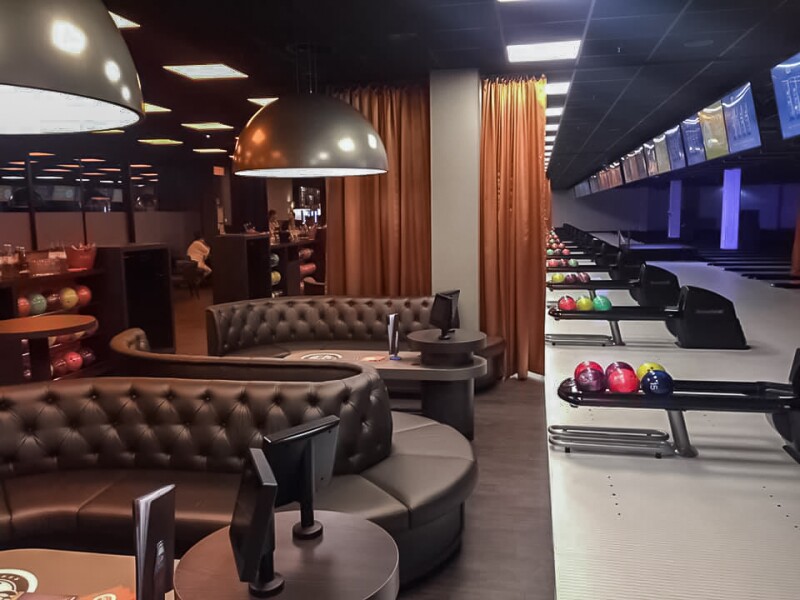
[507,552]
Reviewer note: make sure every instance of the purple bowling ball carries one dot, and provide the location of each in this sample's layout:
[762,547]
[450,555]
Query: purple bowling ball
[591,380]
[571,278]
[584,277]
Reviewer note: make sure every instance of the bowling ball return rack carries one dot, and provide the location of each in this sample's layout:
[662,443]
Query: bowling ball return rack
[702,320]
[778,400]
[655,287]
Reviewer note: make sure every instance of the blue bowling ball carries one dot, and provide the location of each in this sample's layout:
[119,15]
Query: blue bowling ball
[657,383]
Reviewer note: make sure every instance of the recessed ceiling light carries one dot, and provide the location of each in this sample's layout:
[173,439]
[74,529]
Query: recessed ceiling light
[13,168]
[18,162]
[210,151]
[49,177]
[91,160]
[56,170]
[155,108]
[208,126]
[209,71]
[40,154]
[551,127]
[149,174]
[160,142]
[136,178]
[543,52]
[79,180]
[13,177]
[141,166]
[549,138]
[109,132]
[554,111]
[94,174]
[262,101]
[123,23]
[106,181]
[557,89]
[110,170]
[70,166]
[154,181]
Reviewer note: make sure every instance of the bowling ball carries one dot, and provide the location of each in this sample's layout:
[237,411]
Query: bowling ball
[84,295]
[88,356]
[571,279]
[53,301]
[69,298]
[276,277]
[274,259]
[38,304]
[552,262]
[585,303]
[566,252]
[622,381]
[562,246]
[587,364]
[74,361]
[589,377]
[619,366]
[549,252]
[554,246]
[566,303]
[59,366]
[572,262]
[558,278]
[602,303]
[658,383]
[23,307]
[648,366]
[584,277]
[562,262]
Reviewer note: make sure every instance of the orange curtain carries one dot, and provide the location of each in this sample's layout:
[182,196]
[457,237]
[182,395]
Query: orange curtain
[515,215]
[379,227]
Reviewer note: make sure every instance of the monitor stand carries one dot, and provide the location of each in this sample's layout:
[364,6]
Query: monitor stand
[268,583]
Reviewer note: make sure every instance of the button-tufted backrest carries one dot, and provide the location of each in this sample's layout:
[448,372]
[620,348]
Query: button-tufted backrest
[240,325]
[181,423]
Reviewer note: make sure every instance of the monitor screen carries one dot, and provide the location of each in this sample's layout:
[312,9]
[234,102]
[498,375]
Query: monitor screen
[741,121]
[662,154]
[627,172]
[677,157]
[640,164]
[786,79]
[715,138]
[444,312]
[582,189]
[693,141]
[650,159]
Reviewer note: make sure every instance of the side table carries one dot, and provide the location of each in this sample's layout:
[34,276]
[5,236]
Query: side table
[354,559]
[450,402]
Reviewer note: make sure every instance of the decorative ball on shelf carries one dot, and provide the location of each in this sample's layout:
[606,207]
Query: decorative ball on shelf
[558,278]
[550,252]
[601,303]
[619,366]
[276,277]
[69,298]
[622,381]
[88,356]
[84,295]
[584,277]
[584,303]
[274,259]
[566,303]
[53,300]
[38,304]
[23,307]
[657,383]
[563,262]
[59,366]
[571,279]
[74,361]
[648,366]
[572,262]
[589,377]
[553,262]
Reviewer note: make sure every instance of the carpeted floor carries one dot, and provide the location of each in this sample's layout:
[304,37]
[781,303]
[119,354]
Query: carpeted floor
[507,551]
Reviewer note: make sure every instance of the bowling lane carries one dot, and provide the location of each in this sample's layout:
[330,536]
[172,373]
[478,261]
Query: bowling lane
[724,525]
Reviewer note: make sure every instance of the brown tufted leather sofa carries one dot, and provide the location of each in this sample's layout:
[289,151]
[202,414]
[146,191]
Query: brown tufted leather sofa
[275,327]
[73,454]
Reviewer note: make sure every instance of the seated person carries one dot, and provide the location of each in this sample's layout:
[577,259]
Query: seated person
[199,251]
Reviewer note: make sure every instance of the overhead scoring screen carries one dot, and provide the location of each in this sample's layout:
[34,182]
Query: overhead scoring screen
[740,119]
[715,138]
[786,80]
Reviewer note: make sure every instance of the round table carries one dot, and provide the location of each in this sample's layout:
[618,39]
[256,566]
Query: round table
[354,559]
[36,330]
[450,402]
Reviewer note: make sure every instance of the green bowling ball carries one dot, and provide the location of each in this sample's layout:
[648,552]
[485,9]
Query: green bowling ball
[601,303]
[549,252]
[585,303]
[572,262]
[38,304]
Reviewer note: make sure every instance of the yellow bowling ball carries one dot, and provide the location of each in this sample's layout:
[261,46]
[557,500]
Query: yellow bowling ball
[645,368]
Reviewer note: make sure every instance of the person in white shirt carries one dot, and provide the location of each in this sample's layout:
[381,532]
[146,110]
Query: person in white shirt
[199,251]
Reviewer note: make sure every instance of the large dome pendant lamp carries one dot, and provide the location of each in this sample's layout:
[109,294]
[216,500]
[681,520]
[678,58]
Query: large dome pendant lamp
[64,68]
[309,135]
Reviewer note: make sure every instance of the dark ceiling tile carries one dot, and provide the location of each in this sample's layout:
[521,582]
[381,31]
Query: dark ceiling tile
[627,8]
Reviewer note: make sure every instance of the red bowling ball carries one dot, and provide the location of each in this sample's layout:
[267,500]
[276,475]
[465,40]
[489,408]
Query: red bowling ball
[562,246]
[552,262]
[74,361]
[566,252]
[567,303]
[23,307]
[619,365]
[84,295]
[622,381]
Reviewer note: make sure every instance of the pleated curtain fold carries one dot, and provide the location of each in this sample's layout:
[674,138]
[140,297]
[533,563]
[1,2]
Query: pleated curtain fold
[379,227]
[515,217]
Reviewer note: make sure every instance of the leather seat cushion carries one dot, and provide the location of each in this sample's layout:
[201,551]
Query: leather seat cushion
[48,503]
[280,350]
[204,502]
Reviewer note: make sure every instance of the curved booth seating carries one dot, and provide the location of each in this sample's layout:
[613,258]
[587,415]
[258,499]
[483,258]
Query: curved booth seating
[104,441]
[276,327]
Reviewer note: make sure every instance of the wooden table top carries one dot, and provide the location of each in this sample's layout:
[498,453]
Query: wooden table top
[45,326]
[353,560]
[407,368]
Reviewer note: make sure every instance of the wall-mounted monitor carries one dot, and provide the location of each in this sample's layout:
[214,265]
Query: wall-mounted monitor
[627,171]
[693,141]
[786,79]
[741,121]
[650,159]
[582,189]
[662,154]
[594,184]
[677,156]
[715,138]
[640,163]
